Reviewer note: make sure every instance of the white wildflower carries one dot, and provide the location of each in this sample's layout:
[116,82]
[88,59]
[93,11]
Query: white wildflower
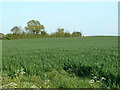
[103,78]
[91,81]
[98,81]
[95,77]
[45,82]
[20,72]
[10,84]
[48,86]
[34,86]
[13,84]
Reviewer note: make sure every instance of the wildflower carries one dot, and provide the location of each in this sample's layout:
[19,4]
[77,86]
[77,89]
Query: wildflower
[48,86]
[95,77]
[22,71]
[103,78]
[17,71]
[91,81]
[1,87]
[45,82]
[34,86]
[98,81]
[10,84]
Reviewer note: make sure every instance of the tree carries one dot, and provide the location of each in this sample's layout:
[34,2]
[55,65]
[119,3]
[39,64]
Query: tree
[44,33]
[60,32]
[23,33]
[9,36]
[1,35]
[76,34]
[34,27]
[67,34]
[16,30]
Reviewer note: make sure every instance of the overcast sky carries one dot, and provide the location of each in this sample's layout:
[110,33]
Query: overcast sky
[90,18]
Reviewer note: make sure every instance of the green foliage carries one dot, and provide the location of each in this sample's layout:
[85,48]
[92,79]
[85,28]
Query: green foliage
[1,35]
[67,34]
[76,34]
[34,27]
[60,32]
[44,34]
[16,30]
[89,62]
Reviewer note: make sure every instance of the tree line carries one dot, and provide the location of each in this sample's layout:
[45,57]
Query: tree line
[35,29]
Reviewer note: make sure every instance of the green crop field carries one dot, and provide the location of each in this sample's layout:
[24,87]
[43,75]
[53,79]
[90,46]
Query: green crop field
[85,62]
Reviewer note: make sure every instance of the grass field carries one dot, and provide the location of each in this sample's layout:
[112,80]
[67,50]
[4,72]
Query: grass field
[89,62]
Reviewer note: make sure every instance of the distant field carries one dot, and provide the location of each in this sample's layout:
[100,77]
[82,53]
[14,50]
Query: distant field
[89,62]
